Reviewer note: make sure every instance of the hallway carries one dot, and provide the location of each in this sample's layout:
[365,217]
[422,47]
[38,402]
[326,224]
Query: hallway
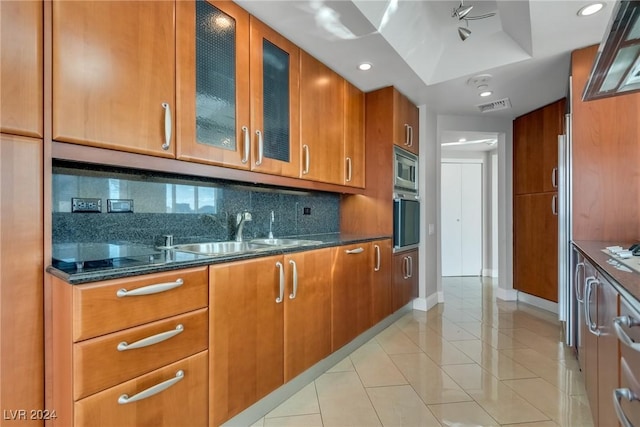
[471,361]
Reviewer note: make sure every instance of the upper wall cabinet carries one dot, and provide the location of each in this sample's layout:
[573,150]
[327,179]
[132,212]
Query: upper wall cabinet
[354,143]
[114,75]
[21,68]
[322,122]
[238,90]
[405,122]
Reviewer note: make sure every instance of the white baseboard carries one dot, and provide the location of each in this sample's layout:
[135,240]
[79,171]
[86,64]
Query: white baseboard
[440,297]
[538,302]
[487,272]
[506,294]
[425,304]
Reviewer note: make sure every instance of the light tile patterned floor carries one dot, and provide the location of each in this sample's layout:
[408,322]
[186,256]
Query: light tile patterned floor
[472,361]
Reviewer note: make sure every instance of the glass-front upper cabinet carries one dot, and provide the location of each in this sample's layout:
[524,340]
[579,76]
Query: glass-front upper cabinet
[224,119]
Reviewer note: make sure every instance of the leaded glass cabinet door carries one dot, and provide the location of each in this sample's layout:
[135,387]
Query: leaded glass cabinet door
[213,83]
[275,115]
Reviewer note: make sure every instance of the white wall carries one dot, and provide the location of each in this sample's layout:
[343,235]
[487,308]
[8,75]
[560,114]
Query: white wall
[504,128]
[429,207]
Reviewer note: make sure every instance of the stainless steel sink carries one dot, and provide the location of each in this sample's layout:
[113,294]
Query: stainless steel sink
[219,248]
[285,242]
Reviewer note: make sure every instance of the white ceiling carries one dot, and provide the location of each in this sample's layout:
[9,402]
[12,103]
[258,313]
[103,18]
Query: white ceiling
[414,45]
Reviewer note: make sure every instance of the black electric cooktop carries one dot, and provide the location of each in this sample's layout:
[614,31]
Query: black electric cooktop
[75,257]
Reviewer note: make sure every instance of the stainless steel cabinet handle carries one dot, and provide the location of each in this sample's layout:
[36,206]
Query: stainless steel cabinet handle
[150,290]
[629,322]
[247,144]
[406,267]
[260,148]
[295,279]
[554,177]
[618,394]
[167,126]
[355,251]
[155,339]
[406,134]
[410,136]
[349,169]
[123,399]
[593,328]
[377,267]
[305,149]
[577,282]
[410,258]
[554,204]
[280,297]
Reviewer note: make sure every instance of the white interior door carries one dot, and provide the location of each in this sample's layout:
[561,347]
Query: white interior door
[461,204]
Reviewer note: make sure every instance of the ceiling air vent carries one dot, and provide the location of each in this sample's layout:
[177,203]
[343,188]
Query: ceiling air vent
[501,104]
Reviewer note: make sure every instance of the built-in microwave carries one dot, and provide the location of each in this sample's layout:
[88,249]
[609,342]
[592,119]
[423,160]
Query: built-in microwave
[405,169]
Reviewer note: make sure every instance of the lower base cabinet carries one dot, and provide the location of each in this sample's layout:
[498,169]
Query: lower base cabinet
[381,289]
[405,278]
[270,320]
[627,397]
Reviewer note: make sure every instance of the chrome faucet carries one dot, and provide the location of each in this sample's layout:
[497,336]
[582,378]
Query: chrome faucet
[273,218]
[240,220]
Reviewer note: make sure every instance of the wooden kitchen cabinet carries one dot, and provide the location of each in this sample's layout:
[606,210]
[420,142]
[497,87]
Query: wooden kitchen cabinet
[114,75]
[238,90]
[405,278]
[264,333]
[354,142]
[97,333]
[630,363]
[381,284]
[608,351]
[350,292]
[535,154]
[535,224]
[21,69]
[405,123]
[322,115]
[589,345]
[21,274]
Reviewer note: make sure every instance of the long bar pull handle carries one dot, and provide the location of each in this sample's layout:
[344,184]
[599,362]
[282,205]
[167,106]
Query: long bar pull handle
[280,297]
[577,286]
[349,169]
[153,390]
[260,148]
[377,267]
[554,204]
[355,251]
[406,134]
[629,322]
[167,126]
[406,267]
[150,290]
[554,177]
[593,328]
[305,149]
[618,394]
[295,279]
[410,136]
[155,339]
[410,258]
[247,144]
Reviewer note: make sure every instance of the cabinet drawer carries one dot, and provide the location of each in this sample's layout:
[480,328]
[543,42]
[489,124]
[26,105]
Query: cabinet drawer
[630,366]
[98,309]
[183,403]
[100,363]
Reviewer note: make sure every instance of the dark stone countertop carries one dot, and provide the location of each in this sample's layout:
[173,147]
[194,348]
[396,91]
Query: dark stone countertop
[171,260]
[626,283]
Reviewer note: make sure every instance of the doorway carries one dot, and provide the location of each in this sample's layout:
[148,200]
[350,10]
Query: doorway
[461,204]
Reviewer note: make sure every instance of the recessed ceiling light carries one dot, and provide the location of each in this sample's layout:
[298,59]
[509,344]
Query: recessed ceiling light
[365,66]
[590,9]
[485,93]
[462,140]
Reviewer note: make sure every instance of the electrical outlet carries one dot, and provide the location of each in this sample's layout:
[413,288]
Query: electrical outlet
[83,204]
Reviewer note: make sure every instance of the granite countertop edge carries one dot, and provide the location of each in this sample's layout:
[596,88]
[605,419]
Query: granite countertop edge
[96,275]
[626,283]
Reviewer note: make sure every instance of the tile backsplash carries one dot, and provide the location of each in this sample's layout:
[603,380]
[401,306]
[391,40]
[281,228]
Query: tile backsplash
[189,208]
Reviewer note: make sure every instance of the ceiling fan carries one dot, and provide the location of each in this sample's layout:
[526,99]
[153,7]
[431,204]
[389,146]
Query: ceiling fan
[462,13]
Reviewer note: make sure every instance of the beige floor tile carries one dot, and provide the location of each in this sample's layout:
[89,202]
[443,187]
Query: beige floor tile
[394,341]
[462,414]
[303,402]
[564,409]
[259,423]
[469,377]
[438,349]
[535,424]
[344,365]
[499,365]
[431,383]
[344,401]
[313,420]
[401,406]
[451,331]
[374,366]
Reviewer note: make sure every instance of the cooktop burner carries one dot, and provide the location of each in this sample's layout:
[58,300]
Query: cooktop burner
[74,257]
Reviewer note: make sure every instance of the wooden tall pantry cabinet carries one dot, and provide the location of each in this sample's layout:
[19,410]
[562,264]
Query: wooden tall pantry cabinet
[535,201]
